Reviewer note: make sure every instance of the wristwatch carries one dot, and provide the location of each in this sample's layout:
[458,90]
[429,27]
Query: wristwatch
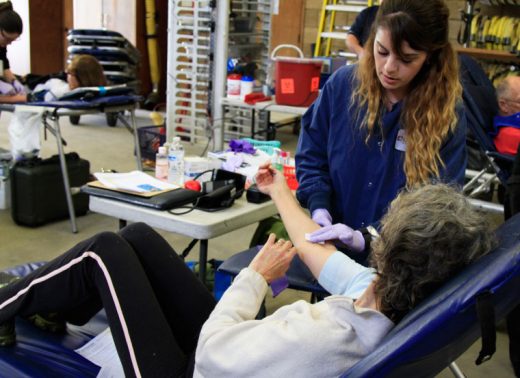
[369,234]
[373,232]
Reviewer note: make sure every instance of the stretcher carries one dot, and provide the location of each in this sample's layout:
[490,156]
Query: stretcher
[53,110]
[118,57]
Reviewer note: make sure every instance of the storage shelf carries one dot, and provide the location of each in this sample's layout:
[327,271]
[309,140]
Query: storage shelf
[503,56]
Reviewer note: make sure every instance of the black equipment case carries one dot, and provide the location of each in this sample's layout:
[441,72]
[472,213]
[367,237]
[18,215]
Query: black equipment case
[38,193]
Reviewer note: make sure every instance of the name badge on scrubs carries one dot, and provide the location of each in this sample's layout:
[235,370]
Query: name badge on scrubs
[400,144]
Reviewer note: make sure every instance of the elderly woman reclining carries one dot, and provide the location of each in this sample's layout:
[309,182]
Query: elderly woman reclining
[166,323]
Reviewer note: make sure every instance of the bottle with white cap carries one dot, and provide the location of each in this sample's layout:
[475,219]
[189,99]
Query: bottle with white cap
[161,164]
[176,162]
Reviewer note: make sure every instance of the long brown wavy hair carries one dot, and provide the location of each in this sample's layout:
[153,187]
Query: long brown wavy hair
[428,113]
[427,236]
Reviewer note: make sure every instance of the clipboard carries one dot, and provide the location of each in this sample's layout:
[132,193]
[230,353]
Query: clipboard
[160,200]
[97,184]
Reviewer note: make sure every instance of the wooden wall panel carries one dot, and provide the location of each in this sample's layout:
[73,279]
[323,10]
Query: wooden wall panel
[287,26]
[46,30]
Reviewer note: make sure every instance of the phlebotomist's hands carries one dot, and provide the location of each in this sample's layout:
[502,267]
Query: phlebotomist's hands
[322,217]
[350,238]
[273,259]
[18,87]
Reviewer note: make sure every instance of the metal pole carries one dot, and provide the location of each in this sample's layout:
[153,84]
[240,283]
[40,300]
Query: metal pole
[66,181]
[136,141]
[220,70]
[203,259]
[456,370]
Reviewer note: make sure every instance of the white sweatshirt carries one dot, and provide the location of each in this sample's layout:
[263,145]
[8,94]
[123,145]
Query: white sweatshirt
[300,339]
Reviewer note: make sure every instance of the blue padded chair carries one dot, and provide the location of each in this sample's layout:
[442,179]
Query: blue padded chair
[434,334]
[298,275]
[39,353]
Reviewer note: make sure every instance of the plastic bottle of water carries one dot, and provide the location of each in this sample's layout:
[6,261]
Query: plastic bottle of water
[176,162]
[161,164]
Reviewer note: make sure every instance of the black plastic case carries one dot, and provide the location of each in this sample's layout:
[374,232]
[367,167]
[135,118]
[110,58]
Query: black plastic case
[38,193]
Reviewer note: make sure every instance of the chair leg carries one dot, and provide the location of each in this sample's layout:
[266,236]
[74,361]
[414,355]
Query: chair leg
[262,312]
[316,297]
[456,370]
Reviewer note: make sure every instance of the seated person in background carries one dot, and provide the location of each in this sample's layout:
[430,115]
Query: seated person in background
[507,123]
[360,30]
[157,309]
[24,128]
[11,27]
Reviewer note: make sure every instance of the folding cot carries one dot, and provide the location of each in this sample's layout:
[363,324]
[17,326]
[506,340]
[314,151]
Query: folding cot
[53,110]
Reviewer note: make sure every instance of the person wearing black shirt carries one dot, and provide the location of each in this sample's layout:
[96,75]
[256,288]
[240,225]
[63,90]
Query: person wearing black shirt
[360,29]
[11,27]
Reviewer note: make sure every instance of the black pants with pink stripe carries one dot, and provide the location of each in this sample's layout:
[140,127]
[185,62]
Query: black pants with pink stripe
[155,305]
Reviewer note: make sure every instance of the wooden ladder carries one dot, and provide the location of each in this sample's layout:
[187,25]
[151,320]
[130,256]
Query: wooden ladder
[327,30]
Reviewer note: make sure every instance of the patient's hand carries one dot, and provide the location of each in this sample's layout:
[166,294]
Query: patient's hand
[269,179]
[273,259]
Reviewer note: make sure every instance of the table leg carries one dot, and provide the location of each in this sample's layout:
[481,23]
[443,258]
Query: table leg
[253,133]
[203,259]
[64,171]
[132,127]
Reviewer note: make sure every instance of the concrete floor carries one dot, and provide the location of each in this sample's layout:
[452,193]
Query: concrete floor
[111,148]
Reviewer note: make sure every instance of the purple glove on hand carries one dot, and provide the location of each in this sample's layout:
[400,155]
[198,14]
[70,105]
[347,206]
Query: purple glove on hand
[353,239]
[6,89]
[18,87]
[322,217]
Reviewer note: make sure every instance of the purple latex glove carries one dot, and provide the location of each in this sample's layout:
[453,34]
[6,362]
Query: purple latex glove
[353,239]
[6,89]
[232,163]
[279,285]
[322,217]
[18,87]
[237,145]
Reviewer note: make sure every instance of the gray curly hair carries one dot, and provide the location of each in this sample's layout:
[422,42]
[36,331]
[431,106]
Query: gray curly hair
[427,236]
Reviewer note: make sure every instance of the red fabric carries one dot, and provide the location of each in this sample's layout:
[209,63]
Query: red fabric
[507,140]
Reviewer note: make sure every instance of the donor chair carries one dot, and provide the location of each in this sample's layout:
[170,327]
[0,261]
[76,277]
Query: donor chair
[447,323]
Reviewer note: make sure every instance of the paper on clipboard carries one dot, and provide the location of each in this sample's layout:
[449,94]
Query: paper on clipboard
[135,181]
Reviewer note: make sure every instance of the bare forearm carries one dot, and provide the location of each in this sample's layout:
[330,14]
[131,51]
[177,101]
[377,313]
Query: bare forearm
[9,75]
[353,44]
[13,99]
[297,224]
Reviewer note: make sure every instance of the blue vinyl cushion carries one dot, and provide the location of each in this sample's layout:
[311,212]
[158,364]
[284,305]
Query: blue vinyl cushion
[433,335]
[38,353]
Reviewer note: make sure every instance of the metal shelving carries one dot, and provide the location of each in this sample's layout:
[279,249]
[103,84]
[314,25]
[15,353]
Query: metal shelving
[201,34]
[250,28]
[189,72]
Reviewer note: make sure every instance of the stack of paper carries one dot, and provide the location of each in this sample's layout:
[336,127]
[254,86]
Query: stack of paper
[135,181]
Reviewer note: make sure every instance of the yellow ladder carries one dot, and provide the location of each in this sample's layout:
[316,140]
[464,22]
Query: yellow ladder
[328,18]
